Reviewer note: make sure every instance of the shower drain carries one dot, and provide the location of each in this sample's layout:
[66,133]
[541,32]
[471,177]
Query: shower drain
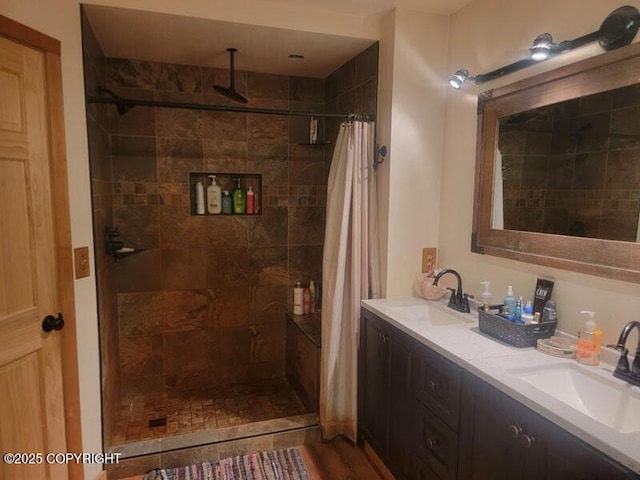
[158,422]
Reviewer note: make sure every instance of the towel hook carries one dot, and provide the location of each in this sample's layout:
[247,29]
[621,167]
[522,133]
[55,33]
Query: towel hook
[381,151]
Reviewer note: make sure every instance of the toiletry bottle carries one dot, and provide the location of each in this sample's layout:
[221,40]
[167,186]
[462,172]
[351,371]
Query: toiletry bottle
[199,198]
[312,293]
[306,301]
[588,348]
[486,295]
[227,202]
[517,314]
[214,196]
[509,301]
[527,313]
[549,313]
[250,201]
[298,299]
[239,199]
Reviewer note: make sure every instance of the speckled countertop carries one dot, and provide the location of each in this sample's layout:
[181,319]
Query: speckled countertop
[495,363]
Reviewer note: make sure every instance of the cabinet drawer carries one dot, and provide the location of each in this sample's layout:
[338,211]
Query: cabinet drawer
[419,470]
[436,443]
[437,386]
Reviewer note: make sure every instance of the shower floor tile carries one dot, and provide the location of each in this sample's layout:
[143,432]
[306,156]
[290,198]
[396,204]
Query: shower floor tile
[194,411]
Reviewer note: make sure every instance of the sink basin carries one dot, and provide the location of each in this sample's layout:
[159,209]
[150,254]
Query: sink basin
[606,400]
[426,314]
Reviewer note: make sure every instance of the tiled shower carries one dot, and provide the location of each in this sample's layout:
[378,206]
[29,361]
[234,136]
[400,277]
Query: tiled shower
[192,326]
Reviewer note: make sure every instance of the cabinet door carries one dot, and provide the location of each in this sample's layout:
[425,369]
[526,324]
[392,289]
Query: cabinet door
[489,422]
[568,457]
[401,418]
[374,382]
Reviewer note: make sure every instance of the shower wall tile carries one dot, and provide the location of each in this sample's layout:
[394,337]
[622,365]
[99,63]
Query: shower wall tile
[264,85]
[269,265]
[185,352]
[187,310]
[184,269]
[131,73]
[304,89]
[271,228]
[270,160]
[305,262]
[224,125]
[227,267]
[366,65]
[366,97]
[306,225]
[133,158]
[179,78]
[139,313]
[180,229]
[138,225]
[225,156]
[139,121]
[231,307]
[139,273]
[267,303]
[178,122]
[177,157]
[272,128]
[141,356]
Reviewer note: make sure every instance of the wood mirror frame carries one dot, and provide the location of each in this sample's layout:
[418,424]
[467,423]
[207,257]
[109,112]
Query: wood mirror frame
[606,258]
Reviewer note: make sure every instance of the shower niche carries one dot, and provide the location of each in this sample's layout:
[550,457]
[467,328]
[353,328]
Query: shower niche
[227,182]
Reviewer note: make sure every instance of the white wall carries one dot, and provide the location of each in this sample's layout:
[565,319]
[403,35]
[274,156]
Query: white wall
[415,160]
[61,19]
[487,34]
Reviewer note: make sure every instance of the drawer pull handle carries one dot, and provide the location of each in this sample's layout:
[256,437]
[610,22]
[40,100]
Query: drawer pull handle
[527,441]
[432,385]
[431,443]
[514,431]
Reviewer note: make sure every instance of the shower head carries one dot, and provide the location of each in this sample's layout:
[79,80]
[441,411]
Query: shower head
[230,91]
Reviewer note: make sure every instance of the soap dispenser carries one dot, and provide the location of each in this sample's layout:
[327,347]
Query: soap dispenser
[214,196]
[239,199]
[588,348]
[486,295]
[510,302]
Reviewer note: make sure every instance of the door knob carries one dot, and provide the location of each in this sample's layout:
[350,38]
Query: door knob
[52,323]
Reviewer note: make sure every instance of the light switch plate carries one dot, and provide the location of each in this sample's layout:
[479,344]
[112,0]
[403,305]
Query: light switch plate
[429,257]
[81,260]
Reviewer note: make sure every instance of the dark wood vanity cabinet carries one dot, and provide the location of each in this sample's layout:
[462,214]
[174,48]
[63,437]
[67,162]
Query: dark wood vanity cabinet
[408,403]
[502,439]
[428,419]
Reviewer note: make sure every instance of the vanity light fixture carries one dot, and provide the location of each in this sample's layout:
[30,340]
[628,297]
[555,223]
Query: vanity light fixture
[542,46]
[617,30]
[458,78]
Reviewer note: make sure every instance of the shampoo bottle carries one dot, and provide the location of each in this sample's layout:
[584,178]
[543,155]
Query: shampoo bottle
[239,199]
[250,201]
[227,203]
[214,196]
[527,313]
[588,348]
[199,198]
[510,301]
[298,299]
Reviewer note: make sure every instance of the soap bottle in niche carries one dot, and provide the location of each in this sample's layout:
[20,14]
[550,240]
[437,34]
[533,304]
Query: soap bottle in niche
[509,302]
[250,201]
[298,299]
[306,301]
[588,348]
[199,198]
[227,203]
[214,196]
[239,199]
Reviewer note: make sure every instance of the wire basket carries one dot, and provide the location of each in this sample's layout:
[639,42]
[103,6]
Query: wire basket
[519,335]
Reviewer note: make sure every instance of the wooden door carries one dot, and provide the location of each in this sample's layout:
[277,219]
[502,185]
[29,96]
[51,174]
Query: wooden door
[31,400]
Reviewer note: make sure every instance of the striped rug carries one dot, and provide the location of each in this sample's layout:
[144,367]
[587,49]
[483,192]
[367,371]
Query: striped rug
[272,465]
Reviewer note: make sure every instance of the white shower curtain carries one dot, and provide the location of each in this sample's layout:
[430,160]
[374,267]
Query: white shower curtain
[350,273]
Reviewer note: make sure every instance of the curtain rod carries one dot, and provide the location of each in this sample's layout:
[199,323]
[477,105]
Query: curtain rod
[124,105]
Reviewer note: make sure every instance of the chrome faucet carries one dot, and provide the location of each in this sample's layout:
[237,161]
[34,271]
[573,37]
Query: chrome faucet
[631,375]
[458,301]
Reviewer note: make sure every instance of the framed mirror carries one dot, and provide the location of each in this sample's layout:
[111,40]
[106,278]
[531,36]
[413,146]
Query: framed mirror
[558,168]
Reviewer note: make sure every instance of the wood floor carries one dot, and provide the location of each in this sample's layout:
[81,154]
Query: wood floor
[334,460]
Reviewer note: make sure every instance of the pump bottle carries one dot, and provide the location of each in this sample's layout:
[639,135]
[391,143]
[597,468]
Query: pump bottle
[588,348]
[239,199]
[214,196]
